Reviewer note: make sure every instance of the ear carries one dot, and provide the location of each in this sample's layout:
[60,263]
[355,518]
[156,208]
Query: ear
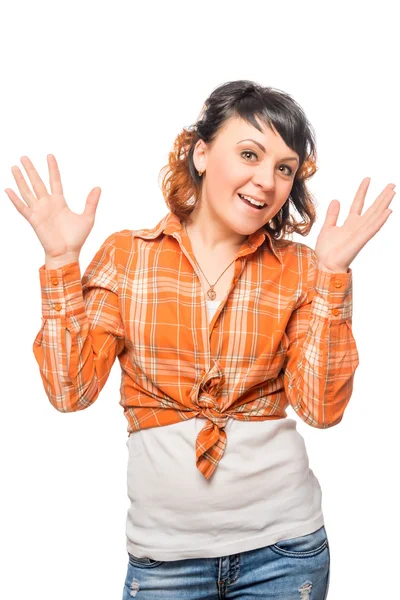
[200,155]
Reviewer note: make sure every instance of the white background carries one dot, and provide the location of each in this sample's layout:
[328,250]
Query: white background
[106,87]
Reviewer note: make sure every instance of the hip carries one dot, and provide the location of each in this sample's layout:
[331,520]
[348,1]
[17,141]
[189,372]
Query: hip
[289,569]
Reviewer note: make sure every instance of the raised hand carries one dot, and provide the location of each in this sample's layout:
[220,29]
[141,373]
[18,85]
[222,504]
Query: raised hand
[60,231]
[336,247]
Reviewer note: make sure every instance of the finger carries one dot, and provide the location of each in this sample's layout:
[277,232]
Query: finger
[379,222]
[382,201]
[332,213]
[54,174]
[92,202]
[24,210]
[34,177]
[23,187]
[365,233]
[385,197]
[359,199]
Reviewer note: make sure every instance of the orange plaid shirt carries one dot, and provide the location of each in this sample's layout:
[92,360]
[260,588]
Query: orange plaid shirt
[282,335]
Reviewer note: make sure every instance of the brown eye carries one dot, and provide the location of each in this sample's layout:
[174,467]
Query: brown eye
[248,152]
[289,169]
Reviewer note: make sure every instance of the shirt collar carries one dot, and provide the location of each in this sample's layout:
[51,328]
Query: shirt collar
[170,224]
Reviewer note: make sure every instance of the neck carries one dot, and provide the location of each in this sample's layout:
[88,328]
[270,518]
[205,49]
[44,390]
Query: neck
[212,236]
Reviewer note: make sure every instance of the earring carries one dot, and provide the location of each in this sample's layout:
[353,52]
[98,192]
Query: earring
[200,173]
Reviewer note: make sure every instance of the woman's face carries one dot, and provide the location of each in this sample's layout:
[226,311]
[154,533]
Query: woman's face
[234,164]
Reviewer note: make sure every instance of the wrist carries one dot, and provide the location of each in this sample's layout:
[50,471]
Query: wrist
[335,270]
[55,262]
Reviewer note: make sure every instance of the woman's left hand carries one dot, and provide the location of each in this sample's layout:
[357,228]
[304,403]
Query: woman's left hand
[336,247]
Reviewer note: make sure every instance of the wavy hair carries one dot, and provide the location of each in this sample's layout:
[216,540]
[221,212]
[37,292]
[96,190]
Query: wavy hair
[181,184]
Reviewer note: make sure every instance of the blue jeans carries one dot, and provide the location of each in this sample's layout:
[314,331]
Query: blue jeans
[295,569]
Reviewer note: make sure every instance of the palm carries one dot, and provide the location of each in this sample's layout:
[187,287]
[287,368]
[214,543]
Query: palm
[57,227]
[59,230]
[337,247]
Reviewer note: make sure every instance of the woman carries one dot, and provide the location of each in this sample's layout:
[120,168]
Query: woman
[219,323]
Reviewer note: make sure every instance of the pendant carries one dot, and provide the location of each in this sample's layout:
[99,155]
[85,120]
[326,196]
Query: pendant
[211,294]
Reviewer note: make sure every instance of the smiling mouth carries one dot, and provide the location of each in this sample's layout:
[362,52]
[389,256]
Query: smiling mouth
[251,204]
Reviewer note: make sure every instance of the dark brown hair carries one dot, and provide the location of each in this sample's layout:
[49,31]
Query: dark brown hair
[181,184]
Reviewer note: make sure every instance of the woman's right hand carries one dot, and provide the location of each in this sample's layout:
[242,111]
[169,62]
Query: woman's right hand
[60,231]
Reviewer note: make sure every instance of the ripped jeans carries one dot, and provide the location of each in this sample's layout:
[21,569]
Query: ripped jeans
[294,569]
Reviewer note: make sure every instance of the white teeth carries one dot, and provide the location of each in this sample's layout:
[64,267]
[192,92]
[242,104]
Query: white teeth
[252,201]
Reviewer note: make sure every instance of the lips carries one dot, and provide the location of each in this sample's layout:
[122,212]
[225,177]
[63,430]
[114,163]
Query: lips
[250,205]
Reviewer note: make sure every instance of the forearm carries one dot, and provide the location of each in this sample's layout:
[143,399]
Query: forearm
[68,344]
[56,263]
[322,354]
[75,360]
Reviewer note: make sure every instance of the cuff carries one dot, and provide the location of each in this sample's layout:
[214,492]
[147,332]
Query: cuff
[61,291]
[333,295]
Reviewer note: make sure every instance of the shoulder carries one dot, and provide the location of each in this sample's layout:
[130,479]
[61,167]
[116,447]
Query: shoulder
[123,236]
[300,253]
[300,265]
[145,233]
[130,239]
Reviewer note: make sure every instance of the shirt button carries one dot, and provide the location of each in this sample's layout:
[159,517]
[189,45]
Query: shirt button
[235,280]
[58,306]
[335,311]
[337,283]
[54,281]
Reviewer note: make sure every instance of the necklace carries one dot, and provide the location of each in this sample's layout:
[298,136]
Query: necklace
[210,293]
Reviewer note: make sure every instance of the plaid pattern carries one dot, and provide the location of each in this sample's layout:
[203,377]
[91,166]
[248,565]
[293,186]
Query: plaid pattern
[282,335]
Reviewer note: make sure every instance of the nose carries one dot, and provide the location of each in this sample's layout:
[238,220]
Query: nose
[265,177]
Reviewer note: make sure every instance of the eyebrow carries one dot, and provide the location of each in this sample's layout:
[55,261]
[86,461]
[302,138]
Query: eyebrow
[263,149]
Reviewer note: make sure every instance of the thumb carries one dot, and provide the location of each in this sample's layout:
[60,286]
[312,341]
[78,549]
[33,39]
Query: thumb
[92,202]
[332,213]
